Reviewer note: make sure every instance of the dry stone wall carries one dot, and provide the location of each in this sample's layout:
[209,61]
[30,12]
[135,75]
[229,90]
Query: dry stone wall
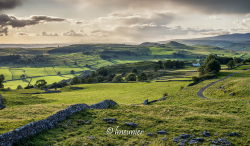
[31,129]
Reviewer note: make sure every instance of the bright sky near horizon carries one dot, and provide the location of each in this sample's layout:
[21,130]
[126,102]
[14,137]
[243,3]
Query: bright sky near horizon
[119,21]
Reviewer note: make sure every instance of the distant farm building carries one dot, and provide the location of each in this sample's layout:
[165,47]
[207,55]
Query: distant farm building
[196,64]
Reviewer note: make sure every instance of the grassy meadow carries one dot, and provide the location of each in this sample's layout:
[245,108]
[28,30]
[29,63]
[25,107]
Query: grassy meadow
[182,112]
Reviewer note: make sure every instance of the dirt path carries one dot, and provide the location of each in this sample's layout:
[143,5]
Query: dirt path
[201,91]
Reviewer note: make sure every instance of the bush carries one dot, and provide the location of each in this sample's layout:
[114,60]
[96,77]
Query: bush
[118,79]
[41,84]
[130,77]
[142,77]
[135,71]
[72,72]
[75,80]
[212,65]
[231,64]
[19,87]
[103,72]
[195,79]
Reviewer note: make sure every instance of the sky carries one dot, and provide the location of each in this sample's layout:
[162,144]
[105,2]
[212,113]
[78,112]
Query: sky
[119,21]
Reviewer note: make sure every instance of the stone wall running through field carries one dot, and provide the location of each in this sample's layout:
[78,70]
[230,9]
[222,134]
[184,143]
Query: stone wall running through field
[31,129]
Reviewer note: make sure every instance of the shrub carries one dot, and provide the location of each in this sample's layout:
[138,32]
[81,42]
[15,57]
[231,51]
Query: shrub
[118,79]
[75,80]
[19,87]
[135,71]
[142,77]
[131,77]
[195,79]
[102,72]
[41,84]
[72,72]
[231,64]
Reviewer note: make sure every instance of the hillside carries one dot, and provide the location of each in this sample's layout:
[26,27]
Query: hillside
[229,41]
[183,112]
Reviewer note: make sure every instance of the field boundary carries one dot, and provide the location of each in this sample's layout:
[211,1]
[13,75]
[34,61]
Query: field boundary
[37,127]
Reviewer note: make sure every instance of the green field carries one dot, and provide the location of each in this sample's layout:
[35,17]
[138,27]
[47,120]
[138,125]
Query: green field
[182,112]
[47,73]
[226,109]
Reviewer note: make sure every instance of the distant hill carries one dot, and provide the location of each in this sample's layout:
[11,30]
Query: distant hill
[229,41]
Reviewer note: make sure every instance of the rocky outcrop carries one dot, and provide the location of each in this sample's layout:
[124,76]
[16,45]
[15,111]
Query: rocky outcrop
[1,102]
[31,129]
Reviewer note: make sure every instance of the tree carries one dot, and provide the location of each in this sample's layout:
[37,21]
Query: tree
[1,81]
[103,72]
[72,72]
[160,63]
[23,76]
[41,84]
[118,79]
[130,77]
[75,80]
[135,71]
[142,77]
[212,65]
[19,87]
[231,64]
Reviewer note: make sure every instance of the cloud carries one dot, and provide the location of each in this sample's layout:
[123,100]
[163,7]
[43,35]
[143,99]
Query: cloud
[207,6]
[147,32]
[49,34]
[22,34]
[7,21]
[9,4]
[3,31]
[217,6]
[72,33]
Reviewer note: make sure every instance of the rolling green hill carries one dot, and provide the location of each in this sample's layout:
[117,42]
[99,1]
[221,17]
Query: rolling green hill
[182,113]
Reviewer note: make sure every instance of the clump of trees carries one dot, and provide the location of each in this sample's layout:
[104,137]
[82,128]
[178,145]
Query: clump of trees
[211,66]
[131,77]
[231,64]
[41,84]
[118,79]
[208,70]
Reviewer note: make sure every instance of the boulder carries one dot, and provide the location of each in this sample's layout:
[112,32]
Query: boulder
[131,124]
[183,142]
[110,120]
[164,139]
[150,134]
[185,136]
[176,140]
[232,94]
[206,134]
[196,140]
[221,141]
[234,134]
[146,102]
[162,132]
[163,98]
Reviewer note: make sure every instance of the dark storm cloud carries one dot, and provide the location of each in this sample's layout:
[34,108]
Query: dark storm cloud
[9,4]
[11,21]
